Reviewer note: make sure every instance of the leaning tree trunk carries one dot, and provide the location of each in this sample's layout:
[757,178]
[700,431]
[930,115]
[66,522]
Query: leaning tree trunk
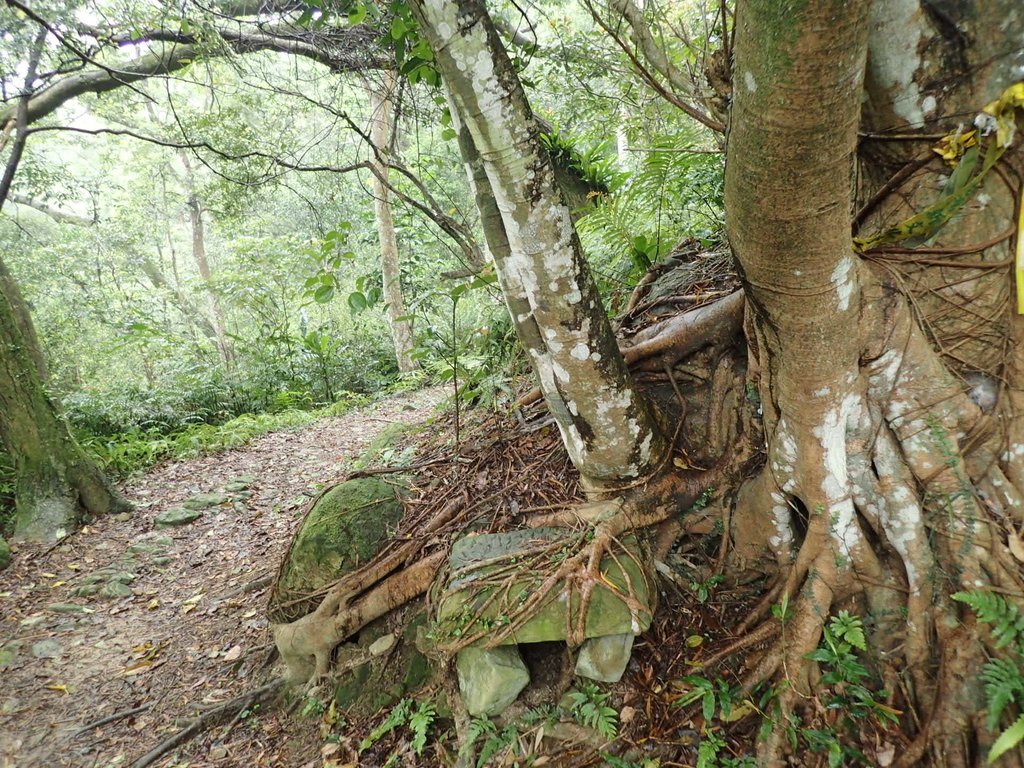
[877,460]
[554,303]
[606,425]
[380,134]
[56,481]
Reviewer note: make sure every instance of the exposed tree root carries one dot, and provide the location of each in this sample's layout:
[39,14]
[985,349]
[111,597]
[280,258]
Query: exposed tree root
[872,500]
[666,343]
[121,715]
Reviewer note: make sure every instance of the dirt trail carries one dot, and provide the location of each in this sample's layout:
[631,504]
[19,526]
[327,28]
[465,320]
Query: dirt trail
[152,625]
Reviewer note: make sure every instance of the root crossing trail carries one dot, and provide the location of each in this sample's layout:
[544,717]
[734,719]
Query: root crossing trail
[113,639]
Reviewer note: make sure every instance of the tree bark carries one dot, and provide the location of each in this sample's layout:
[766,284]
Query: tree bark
[216,309]
[381,99]
[56,481]
[608,430]
[877,462]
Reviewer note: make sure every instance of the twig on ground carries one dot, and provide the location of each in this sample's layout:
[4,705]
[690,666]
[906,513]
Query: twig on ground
[110,719]
[209,719]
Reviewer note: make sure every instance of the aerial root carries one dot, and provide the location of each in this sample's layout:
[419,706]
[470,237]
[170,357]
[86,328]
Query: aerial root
[306,645]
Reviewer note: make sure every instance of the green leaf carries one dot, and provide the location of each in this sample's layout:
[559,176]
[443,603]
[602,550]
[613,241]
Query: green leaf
[1007,740]
[399,28]
[323,294]
[358,14]
[448,134]
[357,301]
[707,706]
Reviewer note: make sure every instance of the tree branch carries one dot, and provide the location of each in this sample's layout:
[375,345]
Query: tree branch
[349,50]
[655,56]
[61,217]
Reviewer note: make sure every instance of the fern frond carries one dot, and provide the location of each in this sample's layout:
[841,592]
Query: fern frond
[1004,683]
[1005,618]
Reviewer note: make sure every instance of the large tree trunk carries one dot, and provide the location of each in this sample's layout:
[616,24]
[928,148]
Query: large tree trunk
[877,460]
[381,97]
[56,481]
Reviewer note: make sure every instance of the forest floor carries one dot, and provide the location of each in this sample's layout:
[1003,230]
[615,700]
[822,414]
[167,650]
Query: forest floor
[118,638]
[178,622]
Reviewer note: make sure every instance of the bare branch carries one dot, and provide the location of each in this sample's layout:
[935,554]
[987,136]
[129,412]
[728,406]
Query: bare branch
[341,50]
[680,89]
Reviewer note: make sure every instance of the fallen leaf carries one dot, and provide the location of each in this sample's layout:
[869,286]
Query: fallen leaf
[331,748]
[738,712]
[59,688]
[138,667]
[233,653]
[153,604]
[57,584]
[1016,545]
[885,755]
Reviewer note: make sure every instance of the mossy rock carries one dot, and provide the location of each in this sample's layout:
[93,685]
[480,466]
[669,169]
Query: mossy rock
[344,529]
[5,554]
[385,679]
[622,602]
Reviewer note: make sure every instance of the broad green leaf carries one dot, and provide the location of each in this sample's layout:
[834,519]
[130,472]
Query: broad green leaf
[323,294]
[1007,740]
[357,301]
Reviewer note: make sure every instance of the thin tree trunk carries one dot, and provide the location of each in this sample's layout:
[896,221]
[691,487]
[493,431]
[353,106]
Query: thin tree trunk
[216,309]
[381,97]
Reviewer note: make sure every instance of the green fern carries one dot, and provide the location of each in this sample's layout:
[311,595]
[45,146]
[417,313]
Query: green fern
[1003,677]
[395,719]
[1007,740]
[419,724]
[1004,684]
[589,708]
[1005,618]
[498,742]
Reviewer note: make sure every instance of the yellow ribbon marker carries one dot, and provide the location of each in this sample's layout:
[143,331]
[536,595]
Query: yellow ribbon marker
[962,150]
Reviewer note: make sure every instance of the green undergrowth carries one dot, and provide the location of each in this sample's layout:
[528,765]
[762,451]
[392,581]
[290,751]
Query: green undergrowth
[136,450]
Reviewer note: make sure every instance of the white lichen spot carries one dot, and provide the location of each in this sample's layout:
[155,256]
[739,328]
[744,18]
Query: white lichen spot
[929,104]
[823,392]
[580,352]
[595,356]
[782,522]
[895,67]
[749,81]
[645,448]
[843,282]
